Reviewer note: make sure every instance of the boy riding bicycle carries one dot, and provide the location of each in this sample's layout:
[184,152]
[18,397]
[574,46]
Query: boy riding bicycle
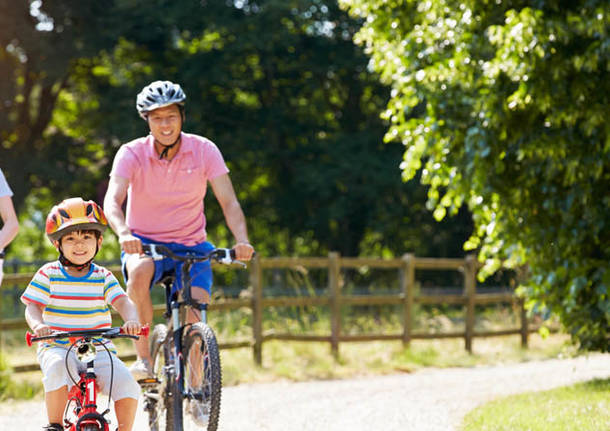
[73,293]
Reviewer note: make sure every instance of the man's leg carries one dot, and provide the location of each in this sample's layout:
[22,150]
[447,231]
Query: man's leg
[199,295]
[140,272]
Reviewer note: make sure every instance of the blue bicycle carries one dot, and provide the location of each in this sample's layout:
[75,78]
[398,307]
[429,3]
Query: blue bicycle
[185,391]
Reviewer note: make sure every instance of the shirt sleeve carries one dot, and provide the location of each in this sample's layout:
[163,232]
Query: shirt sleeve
[38,290]
[112,288]
[5,190]
[125,163]
[214,162]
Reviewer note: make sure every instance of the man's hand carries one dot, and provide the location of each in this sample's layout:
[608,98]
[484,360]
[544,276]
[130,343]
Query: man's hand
[130,244]
[243,251]
[132,327]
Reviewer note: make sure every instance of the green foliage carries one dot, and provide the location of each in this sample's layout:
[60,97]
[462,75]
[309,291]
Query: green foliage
[278,85]
[10,389]
[39,45]
[502,107]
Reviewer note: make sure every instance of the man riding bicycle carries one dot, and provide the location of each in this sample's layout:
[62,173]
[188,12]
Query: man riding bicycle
[164,178]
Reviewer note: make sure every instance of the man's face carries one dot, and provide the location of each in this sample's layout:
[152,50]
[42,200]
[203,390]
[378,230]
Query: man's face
[165,124]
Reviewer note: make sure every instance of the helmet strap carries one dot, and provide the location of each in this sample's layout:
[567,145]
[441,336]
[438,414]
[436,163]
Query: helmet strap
[166,148]
[65,262]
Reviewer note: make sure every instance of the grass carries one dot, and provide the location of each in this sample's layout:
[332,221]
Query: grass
[11,388]
[299,361]
[582,407]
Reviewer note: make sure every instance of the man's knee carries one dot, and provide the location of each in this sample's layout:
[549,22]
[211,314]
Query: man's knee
[140,273]
[199,294]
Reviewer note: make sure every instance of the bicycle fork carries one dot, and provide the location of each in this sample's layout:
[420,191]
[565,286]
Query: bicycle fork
[89,414]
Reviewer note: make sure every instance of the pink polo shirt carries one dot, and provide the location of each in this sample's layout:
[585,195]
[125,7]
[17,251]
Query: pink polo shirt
[165,197]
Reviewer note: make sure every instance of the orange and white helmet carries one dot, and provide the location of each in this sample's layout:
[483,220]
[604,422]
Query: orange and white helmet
[75,214]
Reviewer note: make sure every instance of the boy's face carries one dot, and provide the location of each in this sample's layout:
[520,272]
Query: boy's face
[79,247]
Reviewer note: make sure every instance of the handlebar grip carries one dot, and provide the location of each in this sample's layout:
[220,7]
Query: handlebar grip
[28,338]
[143,331]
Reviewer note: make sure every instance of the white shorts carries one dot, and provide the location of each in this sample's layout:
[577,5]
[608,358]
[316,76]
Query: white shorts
[53,365]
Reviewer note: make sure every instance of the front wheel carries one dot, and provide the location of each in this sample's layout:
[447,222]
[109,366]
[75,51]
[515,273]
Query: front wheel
[158,397]
[202,378]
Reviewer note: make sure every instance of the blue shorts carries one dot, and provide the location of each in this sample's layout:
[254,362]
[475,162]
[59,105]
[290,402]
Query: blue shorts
[201,272]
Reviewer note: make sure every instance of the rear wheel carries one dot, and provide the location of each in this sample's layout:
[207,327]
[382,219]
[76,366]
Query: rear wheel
[202,378]
[158,397]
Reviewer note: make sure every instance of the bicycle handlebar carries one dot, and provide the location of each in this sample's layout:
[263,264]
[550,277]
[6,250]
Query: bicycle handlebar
[225,256]
[116,332]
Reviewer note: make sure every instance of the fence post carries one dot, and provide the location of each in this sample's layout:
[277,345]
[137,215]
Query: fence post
[469,291]
[524,323]
[256,280]
[335,305]
[407,282]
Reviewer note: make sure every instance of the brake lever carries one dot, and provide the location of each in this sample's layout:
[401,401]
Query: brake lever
[152,249]
[228,257]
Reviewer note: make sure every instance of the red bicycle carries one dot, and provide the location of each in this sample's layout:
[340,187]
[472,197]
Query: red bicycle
[81,412]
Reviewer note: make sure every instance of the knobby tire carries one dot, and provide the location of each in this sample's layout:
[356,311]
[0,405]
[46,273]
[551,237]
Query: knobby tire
[200,343]
[160,345]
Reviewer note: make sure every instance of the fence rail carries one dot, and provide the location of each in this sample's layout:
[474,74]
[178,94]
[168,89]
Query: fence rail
[406,268]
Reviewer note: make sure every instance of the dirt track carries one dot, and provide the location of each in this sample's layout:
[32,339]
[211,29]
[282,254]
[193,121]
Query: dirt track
[429,400]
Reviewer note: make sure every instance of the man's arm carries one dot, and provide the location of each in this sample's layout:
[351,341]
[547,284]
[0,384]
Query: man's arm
[9,218]
[113,208]
[225,194]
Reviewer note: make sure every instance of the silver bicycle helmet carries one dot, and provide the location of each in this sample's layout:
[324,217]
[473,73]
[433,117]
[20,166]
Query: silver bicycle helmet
[159,94]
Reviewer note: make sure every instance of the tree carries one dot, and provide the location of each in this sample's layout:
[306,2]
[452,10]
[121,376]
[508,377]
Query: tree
[277,84]
[39,46]
[281,88]
[503,107]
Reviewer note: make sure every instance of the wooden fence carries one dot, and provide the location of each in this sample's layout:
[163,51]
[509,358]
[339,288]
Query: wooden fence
[406,268]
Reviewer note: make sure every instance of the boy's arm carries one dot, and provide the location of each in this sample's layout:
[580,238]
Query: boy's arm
[33,315]
[128,312]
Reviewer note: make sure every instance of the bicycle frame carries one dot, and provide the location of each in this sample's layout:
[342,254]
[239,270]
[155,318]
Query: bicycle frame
[84,393]
[82,397]
[174,304]
[176,300]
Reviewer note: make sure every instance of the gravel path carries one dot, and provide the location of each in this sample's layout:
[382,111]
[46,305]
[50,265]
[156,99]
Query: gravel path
[428,400]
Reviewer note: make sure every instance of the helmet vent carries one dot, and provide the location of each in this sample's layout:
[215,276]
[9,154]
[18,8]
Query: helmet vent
[159,94]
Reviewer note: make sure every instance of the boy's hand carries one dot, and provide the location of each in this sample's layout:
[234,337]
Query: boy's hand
[132,327]
[41,330]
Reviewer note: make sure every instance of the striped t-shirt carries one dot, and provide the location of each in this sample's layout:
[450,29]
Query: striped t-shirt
[73,303]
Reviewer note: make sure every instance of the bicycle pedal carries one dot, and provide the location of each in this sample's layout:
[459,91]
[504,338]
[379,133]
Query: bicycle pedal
[148,381]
